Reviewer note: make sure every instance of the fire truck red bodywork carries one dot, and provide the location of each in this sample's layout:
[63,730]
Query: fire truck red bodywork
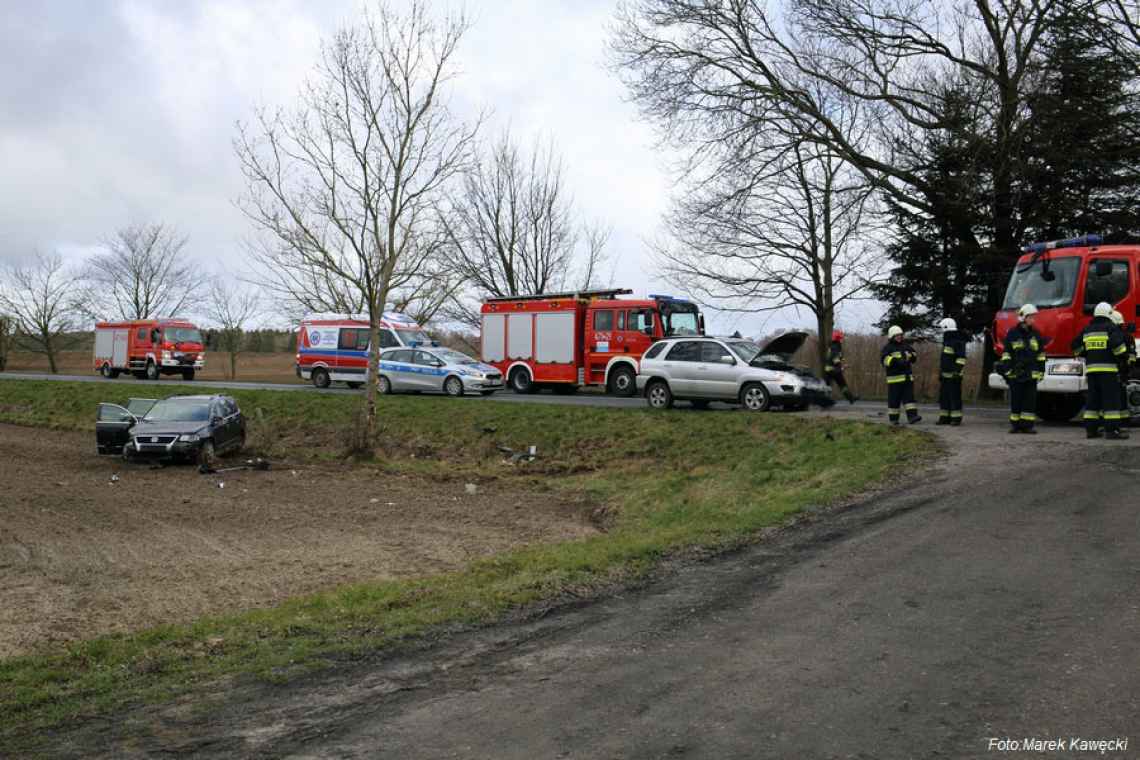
[568,340]
[1065,282]
[149,348]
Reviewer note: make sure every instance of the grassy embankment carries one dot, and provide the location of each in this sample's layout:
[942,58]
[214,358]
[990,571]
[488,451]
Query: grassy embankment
[668,482]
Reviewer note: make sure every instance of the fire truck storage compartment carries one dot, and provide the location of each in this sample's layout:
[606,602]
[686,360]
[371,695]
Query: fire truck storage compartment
[111,346]
[520,329]
[555,338]
[494,337]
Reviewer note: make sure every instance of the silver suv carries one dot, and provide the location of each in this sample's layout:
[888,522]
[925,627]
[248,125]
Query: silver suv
[731,370]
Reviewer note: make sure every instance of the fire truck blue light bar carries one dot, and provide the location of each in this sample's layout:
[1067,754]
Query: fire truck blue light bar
[1077,242]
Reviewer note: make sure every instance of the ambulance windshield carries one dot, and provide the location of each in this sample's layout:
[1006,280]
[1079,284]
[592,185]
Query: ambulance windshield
[1044,289]
[413,335]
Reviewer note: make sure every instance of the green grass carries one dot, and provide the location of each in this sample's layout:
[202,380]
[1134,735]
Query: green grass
[668,481]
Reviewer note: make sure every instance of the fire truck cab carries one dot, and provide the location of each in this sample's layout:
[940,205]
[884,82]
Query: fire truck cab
[334,347]
[149,348]
[1065,280]
[567,340]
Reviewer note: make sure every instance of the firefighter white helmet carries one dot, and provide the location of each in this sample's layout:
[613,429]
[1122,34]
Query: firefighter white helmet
[1027,310]
[948,324]
[894,330]
[1116,317]
[1103,309]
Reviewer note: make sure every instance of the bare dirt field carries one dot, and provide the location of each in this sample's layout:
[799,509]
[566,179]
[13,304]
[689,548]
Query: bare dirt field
[251,367]
[81,555]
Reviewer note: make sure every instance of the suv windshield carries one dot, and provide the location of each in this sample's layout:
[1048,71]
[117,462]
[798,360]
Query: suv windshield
[745,349]
[179,410]
[1028,286]
[182,335]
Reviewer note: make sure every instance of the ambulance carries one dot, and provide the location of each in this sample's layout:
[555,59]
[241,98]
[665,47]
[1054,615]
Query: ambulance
[333,348]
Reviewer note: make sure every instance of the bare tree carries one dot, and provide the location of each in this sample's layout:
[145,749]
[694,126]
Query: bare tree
[346,185]
[513,228]
[7,326]
[799,235]
[143,273]
[231,305]
[40,298]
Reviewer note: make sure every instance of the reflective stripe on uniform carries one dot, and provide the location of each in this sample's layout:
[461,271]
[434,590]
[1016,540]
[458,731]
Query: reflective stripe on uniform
[1091,368]
[1092,415]
[896,379]
[1028,417]
[947,349]
[1122,348]
[912,407]
[955,414]
[962,360]
[1017,344]
[1014,417]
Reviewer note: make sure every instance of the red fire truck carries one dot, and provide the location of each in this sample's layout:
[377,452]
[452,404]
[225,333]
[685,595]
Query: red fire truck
[1065,280]
[149,348]
[567,340]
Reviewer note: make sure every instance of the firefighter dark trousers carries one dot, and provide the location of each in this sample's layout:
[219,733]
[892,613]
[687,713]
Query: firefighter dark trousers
[1023,404]
[900,396]
[836,376]
[950,400]
[1103,405]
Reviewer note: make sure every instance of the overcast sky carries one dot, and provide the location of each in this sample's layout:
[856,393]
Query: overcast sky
[121,112]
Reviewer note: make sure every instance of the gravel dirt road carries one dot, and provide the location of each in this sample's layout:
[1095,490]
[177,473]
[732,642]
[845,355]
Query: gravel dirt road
[81,555]
[996,594]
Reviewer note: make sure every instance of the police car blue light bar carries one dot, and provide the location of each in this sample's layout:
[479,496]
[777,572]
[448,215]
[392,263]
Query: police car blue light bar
[1077,242]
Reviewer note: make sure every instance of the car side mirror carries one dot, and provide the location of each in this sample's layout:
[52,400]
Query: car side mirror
[727,360]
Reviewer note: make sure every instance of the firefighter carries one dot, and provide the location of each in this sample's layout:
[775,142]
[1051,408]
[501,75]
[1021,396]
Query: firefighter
[833,369]
[1102,345]
[1023,365]
[1127,360]
[898,357]
[951,367]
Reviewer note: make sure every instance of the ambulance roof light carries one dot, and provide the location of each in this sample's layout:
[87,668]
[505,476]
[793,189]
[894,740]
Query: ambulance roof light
[1051,245]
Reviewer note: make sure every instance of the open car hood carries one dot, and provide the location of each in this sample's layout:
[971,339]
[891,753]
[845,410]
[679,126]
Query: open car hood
[783,345]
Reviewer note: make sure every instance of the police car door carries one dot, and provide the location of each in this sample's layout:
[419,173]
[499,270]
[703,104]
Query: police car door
[400,370]
[429,371]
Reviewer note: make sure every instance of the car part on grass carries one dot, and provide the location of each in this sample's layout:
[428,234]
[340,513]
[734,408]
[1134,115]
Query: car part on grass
[249,464]
[513,456]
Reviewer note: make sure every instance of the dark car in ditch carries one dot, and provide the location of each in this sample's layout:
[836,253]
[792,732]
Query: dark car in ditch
[194,428]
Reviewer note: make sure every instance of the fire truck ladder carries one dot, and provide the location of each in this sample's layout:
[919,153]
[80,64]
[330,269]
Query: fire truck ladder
[584,295]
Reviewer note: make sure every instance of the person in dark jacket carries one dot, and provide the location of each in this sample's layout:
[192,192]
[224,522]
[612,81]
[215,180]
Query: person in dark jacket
[897,358]
[1102,345]
[1126,361]
[951,366]
[833,368]
[1023,365]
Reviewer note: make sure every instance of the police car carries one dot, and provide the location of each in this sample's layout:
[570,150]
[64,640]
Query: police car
[436,369]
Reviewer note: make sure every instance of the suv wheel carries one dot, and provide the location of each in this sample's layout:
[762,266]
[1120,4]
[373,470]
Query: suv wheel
[658,395]
[320,378]
[206,455]
[754,397]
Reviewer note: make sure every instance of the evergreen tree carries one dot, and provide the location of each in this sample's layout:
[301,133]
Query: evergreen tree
[1082,149]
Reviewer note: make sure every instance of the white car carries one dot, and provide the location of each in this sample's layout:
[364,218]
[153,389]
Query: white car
[438,370]
[735,371]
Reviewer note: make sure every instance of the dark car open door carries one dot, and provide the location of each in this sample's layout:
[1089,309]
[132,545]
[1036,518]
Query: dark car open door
[113,428]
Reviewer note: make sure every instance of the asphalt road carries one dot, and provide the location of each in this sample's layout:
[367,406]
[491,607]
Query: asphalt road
[994,595]
[588,398]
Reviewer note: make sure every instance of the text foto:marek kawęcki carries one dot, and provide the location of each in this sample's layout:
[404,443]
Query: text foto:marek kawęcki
[1070,744]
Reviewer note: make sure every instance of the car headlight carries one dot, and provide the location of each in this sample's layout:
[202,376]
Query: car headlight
[189,437]
[1067,368]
